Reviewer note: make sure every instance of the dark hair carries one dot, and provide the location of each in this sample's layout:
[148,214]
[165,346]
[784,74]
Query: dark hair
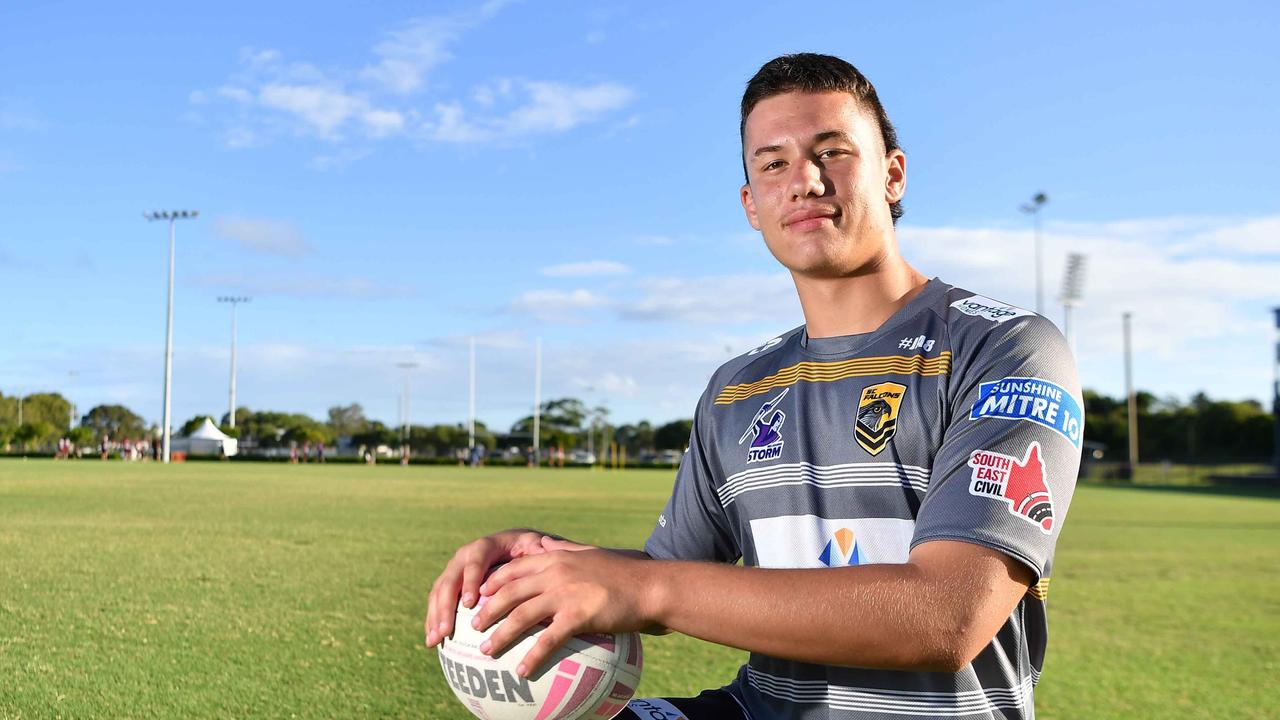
[814,73]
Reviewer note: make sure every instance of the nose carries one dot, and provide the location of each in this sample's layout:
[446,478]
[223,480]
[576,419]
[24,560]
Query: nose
[806,180]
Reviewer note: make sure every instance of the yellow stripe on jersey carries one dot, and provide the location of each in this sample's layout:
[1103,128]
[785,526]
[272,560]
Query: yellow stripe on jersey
[813,371]
[1040,590]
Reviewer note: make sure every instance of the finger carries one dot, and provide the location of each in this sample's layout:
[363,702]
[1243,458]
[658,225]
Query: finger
[435,631]
[555,635]
[472,575]
[517,623]
[551,544]
[446,599]
[517,568]
[513,593]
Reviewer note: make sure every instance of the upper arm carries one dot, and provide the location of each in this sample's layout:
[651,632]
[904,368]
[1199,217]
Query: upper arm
[1005,472]
[694,525]
[976,588]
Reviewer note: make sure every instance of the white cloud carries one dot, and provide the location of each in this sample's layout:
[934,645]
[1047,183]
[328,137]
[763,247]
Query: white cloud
[269,237]
[270,98]
[589,268]
[557,305]
[559,106]
[1197,304]
[725,299]
[545,107]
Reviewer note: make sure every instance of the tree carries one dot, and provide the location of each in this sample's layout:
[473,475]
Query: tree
[635,438]
[673,436]
[560,425]
[49,408]
[80,436]
[38,432]
[347,420]
[114,421]
[376,434]
[194,424]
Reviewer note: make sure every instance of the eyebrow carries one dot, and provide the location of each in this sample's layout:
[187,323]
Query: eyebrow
[824,135]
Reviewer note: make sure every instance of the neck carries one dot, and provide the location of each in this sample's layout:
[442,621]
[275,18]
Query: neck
[857,303]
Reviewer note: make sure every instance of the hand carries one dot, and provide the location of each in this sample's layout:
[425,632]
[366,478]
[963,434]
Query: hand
[580,591]
[464,573]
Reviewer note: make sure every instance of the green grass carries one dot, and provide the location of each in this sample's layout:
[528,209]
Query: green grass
[245,590]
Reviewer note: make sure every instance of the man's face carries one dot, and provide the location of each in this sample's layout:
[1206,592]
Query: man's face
[820,183]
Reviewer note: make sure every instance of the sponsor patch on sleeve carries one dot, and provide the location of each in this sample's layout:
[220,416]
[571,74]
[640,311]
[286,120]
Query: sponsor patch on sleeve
[1019,483]
[1033,399]
[993,310]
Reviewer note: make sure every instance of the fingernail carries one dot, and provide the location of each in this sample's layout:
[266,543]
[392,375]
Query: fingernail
[475,622]
[484,589]
[521,670]
[484,647]
[444,627]
[468,599]
[431,638]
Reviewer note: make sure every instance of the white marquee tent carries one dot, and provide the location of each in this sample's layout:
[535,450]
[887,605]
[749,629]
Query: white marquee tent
[206,440]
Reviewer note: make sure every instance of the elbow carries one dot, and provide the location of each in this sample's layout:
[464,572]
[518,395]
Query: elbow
[950,649]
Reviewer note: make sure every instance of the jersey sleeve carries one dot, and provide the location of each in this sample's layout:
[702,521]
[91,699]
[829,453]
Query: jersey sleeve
[1004,475]
[693,525]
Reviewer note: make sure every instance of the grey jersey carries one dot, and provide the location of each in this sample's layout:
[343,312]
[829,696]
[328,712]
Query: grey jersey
[959,419]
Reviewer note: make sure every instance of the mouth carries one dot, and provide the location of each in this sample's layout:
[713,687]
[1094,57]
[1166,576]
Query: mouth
[811,219]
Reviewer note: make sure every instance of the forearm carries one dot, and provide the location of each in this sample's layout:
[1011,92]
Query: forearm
[884,616]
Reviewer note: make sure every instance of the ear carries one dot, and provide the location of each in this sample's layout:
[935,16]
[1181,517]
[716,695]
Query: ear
[749,205]
[895,181]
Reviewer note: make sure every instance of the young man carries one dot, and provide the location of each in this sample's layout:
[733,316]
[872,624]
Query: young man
[893,474]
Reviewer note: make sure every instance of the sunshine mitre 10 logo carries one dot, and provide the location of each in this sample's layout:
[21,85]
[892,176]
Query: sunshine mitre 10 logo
[1019,483]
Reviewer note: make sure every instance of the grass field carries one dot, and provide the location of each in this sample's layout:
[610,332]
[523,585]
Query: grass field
[245,590]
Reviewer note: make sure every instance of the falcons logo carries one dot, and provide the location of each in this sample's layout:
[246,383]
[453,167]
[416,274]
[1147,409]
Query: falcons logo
[1020,483]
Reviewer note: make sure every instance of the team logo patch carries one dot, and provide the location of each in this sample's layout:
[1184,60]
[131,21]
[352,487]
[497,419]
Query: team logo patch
[985,307]
[878,415]
[841,549]
[766,431]
[1034,399]
[1020,483]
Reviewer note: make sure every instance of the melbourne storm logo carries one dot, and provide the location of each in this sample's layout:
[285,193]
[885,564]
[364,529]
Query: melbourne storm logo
[1020,483]
[766,431]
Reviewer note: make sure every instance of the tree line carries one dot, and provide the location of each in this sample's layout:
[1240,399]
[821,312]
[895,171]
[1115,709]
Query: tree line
[1201,430]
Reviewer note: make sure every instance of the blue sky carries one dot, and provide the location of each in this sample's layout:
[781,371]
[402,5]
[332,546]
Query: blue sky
[388,180]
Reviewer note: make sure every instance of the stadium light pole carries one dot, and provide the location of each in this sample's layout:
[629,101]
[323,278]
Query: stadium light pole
[1275,393]
[1032,208]
[235,301]
[537,399]
[172,216]
[404,405]
[71,415]
[1132,397]
[471,397]
[1072,293]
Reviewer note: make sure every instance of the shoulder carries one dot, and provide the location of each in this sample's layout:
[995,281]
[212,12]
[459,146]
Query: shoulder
[977,322]
[756,363]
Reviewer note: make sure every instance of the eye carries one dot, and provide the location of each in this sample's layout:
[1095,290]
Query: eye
[830,153]
[772,165]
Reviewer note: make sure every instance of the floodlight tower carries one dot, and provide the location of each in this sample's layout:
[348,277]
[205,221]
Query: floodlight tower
[1131,395]
[404,404]
[235,301]
[1032,208]
[172,216]
[471,396]
[537,400]
[1072,293]
[1275,392]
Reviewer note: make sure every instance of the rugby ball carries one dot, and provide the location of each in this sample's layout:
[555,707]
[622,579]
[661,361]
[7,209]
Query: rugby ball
[589,678]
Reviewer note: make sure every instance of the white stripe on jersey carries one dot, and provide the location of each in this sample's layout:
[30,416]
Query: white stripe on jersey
[893,702]
[881,474]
